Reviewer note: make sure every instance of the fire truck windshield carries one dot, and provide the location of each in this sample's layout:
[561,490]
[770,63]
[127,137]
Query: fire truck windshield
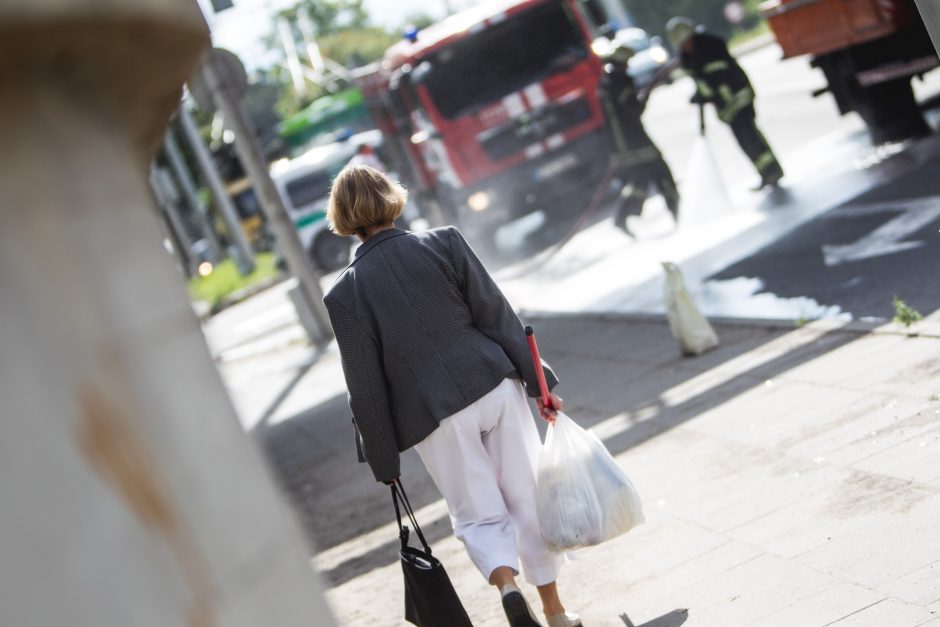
[504,58]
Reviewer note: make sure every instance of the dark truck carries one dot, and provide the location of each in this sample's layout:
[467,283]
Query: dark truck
[869,50]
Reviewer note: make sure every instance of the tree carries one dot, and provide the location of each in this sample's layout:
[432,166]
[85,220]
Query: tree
[356,47]
[331,16]
[419,20]
[652,16]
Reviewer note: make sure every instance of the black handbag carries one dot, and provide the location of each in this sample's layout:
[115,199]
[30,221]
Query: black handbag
[430,598]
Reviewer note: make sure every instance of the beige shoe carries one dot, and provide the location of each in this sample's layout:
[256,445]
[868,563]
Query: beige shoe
[567,619]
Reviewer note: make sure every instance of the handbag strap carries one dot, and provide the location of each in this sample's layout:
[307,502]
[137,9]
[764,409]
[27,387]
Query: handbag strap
[398,495]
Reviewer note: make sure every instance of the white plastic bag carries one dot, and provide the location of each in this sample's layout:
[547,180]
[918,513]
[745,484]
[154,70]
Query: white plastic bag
[584,497]
[686,322]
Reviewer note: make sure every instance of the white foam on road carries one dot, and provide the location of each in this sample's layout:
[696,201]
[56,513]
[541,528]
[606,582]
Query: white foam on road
[601,270]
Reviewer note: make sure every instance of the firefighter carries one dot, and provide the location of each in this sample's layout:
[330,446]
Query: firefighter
[634,159]
[721,81]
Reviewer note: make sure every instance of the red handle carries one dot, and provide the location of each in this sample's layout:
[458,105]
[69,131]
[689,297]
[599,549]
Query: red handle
[539,372]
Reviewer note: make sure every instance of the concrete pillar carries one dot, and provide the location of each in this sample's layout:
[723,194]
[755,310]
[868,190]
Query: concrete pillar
[130,494]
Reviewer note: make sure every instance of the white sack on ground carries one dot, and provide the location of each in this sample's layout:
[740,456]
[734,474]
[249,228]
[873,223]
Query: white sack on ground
[687,324]
[703,194]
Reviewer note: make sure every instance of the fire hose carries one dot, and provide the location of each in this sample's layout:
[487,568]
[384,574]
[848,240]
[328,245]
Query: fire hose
[589,210]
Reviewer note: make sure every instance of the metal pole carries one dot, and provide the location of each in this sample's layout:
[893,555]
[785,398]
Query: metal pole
[293,60]
[252,158]
[305,24]
[240,246]
[167,197]
[186,185]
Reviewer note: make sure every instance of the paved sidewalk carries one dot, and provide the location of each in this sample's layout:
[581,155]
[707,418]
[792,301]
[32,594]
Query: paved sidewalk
[790,477]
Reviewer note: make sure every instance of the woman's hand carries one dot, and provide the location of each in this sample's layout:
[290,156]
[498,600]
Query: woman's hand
[549,413]
[392,482]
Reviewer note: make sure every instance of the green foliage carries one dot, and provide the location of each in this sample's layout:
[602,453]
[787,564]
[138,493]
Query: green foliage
[419,20]
[344,35]
[356,47]
[905,314]
[743,36]
[652,16]
[331,16]
[225,279]
[288,102]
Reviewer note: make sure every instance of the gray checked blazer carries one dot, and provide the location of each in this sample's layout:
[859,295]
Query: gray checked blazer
[423,332]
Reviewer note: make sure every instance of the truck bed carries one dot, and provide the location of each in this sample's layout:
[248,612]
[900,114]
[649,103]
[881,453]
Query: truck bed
[821,26]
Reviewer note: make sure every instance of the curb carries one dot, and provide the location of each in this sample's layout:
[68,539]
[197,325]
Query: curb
[248,291]
[204,310]
[924,328]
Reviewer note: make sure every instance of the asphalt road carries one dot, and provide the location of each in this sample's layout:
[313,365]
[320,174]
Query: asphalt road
[860,255]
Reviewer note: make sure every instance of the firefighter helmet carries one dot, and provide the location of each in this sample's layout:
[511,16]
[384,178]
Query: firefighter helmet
[678,31]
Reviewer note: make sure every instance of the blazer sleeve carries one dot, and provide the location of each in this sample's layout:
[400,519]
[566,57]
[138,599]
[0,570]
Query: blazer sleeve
[368,392]
[492,313]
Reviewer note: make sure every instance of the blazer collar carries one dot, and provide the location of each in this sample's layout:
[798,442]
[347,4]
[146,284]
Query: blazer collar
[375,240]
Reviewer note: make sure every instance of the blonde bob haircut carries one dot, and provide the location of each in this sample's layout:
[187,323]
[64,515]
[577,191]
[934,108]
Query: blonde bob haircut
[362,197]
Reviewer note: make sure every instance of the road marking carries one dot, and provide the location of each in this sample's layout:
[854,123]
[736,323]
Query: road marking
[887,238]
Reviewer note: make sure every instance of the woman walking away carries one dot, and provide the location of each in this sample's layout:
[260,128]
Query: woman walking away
[436,359]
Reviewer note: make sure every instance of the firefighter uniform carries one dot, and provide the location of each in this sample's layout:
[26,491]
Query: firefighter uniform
[721,81]
[634,159]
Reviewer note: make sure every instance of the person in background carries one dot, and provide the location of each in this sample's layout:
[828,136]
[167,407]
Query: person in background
[366,155]
[634,159]
[435,358]
[720,80]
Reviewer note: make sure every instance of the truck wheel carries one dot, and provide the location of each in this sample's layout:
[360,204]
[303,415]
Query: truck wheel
[892,113]
[329,252]
[888,109]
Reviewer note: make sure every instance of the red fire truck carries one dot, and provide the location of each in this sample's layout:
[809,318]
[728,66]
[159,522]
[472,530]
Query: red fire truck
[494,111]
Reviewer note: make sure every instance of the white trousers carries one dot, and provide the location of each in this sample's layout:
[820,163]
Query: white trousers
[483,459]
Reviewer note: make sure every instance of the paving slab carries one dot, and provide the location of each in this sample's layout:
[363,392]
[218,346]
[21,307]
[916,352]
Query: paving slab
[915,459]
[856,357]
[888,612]
[898,535]
[921,587]
[749,591]
[824,607]
[777,490]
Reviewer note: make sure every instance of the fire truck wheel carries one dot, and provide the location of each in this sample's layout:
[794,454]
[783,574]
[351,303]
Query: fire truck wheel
[329,252]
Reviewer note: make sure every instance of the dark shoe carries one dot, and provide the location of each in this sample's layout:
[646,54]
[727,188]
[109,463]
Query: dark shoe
[770,179]
[518,611]
[623,227]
